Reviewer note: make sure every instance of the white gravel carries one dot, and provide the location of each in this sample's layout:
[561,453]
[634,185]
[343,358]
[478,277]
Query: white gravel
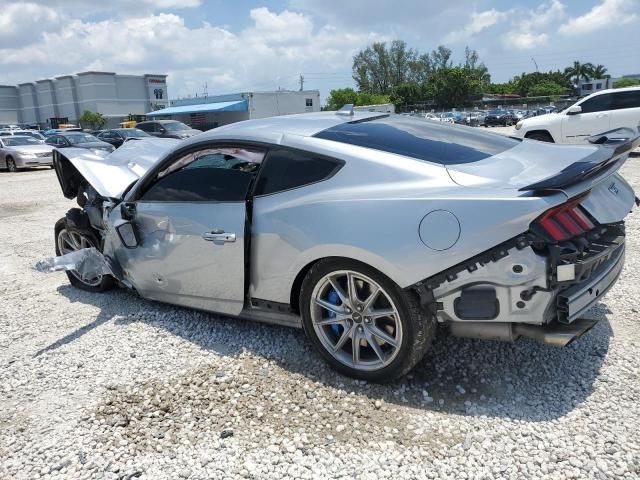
[109,386]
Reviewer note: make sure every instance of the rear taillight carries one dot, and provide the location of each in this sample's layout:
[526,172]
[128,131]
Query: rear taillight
[566,221]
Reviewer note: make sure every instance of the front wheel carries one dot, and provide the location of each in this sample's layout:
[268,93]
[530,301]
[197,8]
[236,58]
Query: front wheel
[11,165]
[69,239]
[361,322]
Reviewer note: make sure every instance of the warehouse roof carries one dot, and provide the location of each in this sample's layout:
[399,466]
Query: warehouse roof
[235,106]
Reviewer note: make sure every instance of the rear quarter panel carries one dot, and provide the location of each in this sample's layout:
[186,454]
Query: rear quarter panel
[375,219]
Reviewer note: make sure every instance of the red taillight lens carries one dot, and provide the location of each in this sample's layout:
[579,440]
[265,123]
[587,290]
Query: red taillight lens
[566,221]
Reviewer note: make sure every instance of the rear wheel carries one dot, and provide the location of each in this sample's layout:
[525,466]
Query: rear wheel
[11,165]
[541,137]
[361,322]
[69,239]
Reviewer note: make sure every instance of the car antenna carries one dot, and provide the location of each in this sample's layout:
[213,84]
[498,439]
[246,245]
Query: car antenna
[346,110]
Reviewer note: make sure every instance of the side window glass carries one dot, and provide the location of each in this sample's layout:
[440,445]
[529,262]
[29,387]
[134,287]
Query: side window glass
[628,99]
[210,175]
[599,103]
[286,169]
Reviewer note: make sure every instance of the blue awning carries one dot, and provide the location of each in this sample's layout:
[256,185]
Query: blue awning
[235,106]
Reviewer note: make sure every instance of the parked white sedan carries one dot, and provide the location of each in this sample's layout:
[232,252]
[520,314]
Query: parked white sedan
[23,152]
[599,112]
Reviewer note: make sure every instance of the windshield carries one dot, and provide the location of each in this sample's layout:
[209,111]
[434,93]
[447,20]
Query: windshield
[17,141]
[431,141]
[80,138]
[133,133]
[175,126]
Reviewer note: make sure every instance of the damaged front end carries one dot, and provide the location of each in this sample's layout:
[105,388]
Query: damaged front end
[87,263]
[85,236]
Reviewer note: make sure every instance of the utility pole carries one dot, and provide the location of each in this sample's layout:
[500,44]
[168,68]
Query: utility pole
[205,92]
[301,82]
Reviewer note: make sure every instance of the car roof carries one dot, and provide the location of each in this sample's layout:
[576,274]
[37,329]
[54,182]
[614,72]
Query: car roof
[267,129]
[611,90]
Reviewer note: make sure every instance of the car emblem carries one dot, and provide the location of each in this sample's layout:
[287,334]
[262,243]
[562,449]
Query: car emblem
[613,189]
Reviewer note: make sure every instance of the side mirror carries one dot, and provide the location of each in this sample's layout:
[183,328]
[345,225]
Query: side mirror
[163,130]
[574,110]
[127,233]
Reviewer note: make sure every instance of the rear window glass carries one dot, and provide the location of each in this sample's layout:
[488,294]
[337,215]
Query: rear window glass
[420,139]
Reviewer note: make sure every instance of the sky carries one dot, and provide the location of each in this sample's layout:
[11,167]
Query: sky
[240,45]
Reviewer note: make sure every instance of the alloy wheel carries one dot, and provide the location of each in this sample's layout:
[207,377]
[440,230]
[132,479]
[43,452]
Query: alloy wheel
[356,320]
[11,165]
[70,241]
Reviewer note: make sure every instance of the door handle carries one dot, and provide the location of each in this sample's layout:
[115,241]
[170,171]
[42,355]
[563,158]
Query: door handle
[219,236]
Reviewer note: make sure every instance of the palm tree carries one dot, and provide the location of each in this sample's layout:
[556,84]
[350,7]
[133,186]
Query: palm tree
[600,71]
[579,70]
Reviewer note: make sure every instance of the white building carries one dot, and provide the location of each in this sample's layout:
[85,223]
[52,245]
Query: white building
[64,98]
[209,112]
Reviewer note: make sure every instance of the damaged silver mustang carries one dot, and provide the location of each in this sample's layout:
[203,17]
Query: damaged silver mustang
[367,230]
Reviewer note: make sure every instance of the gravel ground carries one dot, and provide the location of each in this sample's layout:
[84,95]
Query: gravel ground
[112,386]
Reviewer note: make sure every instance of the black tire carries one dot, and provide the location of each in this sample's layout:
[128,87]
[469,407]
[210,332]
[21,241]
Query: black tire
[418,326]
[106,282]
[541,137]
[11,164]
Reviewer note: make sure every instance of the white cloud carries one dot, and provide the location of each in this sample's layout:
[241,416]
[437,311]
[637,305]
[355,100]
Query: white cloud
[23,23]
[529,28]
[527,41]
[477,23]
[268,54]
[608,13]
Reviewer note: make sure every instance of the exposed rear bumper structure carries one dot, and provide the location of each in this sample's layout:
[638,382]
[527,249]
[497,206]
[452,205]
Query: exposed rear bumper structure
[530,288]
[577,299]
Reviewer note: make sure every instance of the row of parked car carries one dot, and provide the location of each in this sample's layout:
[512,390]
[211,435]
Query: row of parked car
[24,148]
[485,118]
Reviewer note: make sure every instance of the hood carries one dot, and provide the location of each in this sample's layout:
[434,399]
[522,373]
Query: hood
[32,148]
[184,133]
[527,163]
[110,175]
[540,120]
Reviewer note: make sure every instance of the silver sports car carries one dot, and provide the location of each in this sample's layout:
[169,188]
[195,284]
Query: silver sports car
[367,230]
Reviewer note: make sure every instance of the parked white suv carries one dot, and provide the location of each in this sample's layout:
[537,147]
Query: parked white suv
[597,113]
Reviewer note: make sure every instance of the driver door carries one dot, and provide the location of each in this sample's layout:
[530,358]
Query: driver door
[190,223]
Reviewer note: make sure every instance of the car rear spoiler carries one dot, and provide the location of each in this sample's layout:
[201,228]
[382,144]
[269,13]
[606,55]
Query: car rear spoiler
[615,144]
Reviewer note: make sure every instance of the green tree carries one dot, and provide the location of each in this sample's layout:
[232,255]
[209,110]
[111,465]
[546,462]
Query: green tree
[372,69]
[626,82]
[408,93]
[343,96]
[478,69]
[92,119]
[453,86]
[546,89]
[600,71]
[579,71]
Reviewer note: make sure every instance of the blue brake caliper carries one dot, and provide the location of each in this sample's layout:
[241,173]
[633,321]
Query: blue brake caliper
[333,297]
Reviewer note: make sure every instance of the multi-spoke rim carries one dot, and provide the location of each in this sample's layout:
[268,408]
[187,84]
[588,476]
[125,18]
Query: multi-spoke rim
[70,242]
[356,320]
